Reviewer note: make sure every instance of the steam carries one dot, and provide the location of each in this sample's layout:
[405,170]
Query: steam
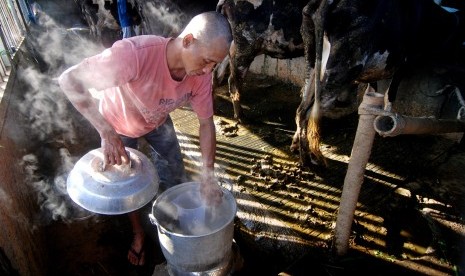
[5,199]
[194,155]
[46,110]
[169,20]
[45,107]
[55,47]
[60,45]
[51,191]
[48,199]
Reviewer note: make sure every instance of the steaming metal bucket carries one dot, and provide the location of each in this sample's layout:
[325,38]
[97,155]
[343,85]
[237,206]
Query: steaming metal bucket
[204,249]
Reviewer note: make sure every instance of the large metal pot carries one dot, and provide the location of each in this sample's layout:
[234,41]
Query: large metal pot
[194,250]
[112,190]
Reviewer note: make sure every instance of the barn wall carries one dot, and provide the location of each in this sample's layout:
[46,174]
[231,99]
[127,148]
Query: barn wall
[287,70]
[21,242]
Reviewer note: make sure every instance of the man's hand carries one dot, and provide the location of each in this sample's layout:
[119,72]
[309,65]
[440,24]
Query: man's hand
[113,149]
[210,190]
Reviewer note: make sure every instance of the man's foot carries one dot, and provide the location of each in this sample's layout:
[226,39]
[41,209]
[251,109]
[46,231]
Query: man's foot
[136,254]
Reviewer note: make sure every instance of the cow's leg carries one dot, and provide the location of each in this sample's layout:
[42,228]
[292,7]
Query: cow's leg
[299,140]
[221,70]
[242,53]
[235,83]
[241,56]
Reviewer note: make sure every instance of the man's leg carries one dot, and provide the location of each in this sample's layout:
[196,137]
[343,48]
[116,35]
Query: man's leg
[126,32]
[136,254]
[167,155]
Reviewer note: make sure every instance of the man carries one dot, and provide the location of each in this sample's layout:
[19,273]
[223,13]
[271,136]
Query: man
[127,17]
[143,79]
[124,18]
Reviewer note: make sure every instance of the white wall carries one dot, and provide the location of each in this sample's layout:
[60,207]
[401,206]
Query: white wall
[288,70]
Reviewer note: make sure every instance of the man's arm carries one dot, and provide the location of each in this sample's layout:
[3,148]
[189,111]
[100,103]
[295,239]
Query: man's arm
[73,84]
[209,186]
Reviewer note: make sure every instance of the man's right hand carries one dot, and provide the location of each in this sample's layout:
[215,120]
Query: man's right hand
[113,149]
[209,188]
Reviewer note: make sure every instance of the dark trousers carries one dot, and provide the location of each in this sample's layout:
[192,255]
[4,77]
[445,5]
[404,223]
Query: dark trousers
[165,152]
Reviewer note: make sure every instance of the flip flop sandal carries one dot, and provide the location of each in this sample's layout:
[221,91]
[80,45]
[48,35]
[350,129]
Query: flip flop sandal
[139,255]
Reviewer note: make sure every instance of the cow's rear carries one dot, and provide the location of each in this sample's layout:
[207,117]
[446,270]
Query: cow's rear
[260,27]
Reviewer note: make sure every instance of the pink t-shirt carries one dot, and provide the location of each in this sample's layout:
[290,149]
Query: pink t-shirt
[138,89]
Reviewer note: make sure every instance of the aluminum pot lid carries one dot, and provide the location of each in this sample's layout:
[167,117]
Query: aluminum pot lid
[112,190]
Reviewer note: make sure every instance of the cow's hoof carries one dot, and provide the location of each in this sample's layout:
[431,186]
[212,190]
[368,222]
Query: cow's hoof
[294,148]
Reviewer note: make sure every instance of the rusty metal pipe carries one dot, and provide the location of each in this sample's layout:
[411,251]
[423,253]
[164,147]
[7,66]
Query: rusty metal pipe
[395,124]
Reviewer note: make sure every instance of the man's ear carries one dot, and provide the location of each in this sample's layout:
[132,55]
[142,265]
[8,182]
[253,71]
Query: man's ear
[187,40]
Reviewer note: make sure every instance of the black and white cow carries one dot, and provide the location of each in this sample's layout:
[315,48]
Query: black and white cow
[270,27]
[368,41]
[371,41]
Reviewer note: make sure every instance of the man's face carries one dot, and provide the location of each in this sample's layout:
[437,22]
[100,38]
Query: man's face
[201,59]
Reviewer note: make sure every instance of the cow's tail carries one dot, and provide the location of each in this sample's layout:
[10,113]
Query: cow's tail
[313,128]
[313,133]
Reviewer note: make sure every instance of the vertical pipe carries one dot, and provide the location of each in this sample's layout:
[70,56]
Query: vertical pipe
[361,151]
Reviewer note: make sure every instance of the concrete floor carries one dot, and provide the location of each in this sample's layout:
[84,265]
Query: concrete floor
[289,213]
[409,216]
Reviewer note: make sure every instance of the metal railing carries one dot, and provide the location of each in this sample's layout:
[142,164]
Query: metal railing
[12,33]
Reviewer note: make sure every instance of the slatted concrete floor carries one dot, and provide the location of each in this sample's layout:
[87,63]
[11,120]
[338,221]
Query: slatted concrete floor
[288,216]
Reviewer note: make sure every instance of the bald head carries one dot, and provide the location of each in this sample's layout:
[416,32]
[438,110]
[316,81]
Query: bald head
[209,26]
